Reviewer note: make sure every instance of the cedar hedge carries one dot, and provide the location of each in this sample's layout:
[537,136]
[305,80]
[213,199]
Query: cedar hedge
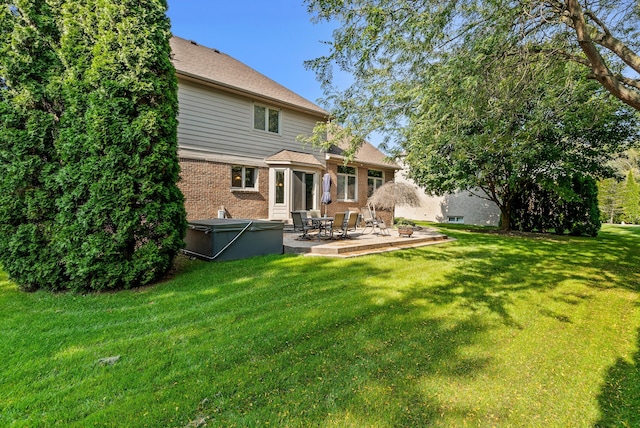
[92,201]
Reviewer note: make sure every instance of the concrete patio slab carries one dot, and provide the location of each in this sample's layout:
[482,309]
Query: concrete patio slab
[360,243]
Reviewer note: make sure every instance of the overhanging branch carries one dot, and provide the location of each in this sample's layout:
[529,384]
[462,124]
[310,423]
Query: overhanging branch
[575,18]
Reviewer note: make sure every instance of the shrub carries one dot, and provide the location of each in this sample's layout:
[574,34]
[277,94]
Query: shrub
[400,221]
[570,204]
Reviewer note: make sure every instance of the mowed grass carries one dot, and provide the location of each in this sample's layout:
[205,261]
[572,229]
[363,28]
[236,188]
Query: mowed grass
[489,330]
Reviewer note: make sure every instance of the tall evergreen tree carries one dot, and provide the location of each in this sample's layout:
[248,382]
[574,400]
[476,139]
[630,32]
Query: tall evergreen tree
[29,115]
[121,216]
[88,144]
[631,204]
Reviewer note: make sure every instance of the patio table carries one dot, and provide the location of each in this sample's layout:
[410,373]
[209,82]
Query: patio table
[323,223]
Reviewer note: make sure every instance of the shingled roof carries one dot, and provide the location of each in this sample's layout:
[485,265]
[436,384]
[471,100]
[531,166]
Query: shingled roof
[366,154]
[200,63]
[294,158]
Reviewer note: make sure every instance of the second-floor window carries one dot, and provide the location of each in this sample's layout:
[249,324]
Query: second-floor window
[243,177]
[346,185]
[266,119]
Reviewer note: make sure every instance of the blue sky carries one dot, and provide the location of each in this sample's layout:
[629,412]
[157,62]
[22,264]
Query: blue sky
[274,37]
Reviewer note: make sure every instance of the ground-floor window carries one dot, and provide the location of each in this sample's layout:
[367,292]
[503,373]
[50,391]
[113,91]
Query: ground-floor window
[243,177]
[346,185]
[374,180]
[279,191]
[455,219]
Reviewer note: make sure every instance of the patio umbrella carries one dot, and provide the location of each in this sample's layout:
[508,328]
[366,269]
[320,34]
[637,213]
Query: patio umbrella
[390,194]
[326,192]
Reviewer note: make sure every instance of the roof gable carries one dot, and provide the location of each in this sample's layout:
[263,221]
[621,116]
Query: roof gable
[366,154]
[210,65]
[294,158]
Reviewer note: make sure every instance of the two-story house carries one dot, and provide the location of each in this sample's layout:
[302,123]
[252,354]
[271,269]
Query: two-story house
[238,147]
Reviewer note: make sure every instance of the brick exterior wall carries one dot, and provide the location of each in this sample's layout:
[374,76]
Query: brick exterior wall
[361,197]
[206,187]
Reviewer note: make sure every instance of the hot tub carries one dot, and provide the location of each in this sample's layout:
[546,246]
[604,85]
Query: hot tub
[233,239]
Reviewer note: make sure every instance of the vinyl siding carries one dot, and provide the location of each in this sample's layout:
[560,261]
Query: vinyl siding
[219,123]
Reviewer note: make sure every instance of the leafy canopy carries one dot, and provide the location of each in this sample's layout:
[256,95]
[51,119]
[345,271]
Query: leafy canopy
[501,125]
[387,47]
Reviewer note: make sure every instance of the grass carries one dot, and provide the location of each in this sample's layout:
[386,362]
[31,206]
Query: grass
[489,330]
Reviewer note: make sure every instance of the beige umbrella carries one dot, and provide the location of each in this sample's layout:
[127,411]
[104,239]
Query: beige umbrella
[390,194]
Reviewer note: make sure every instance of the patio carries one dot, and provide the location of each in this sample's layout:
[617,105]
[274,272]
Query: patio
[359,244]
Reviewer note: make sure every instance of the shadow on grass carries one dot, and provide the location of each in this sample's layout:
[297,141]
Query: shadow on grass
[284,340]
[296,341]
[313,343]
[619,399]
[491,270]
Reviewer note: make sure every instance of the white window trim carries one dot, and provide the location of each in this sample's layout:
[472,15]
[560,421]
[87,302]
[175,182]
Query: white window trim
[375,186]
[267,109]
[455,219]
[284,186]
[243,188]
[338,174]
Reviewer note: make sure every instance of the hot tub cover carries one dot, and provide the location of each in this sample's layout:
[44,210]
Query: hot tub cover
[230,225]
[232,239]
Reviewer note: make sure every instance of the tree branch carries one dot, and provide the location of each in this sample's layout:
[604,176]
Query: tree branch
[605,39]
[576,20]
[635,83]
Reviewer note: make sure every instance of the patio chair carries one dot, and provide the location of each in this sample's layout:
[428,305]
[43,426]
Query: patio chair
[300,224]
[307,218]
[314,213]
[371,220]
[339,225]
[380,223]
[367,219]
[382,227]
[351,223]
[356,211]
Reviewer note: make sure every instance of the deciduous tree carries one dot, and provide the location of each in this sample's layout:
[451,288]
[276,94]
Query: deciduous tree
[610,199]
[612,192]
[478,127]
[386,44]
[485,93]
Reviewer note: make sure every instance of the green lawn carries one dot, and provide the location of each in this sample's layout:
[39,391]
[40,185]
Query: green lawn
[488,330]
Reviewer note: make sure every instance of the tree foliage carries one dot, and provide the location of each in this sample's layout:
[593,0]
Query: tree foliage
[631,200]
[387,45]
[30,111]
[115,213]
[572,205]
[478,127]
[616,195]
[489,94]
[610,200]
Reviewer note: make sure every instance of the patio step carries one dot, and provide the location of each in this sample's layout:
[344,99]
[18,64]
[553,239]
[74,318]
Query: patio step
[347,248]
